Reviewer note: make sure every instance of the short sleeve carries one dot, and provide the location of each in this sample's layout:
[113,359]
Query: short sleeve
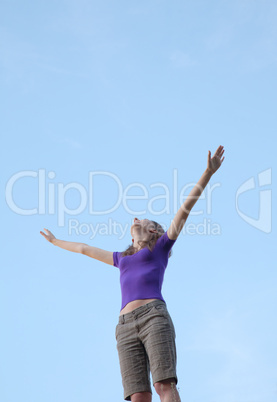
[166,243]
[116,258]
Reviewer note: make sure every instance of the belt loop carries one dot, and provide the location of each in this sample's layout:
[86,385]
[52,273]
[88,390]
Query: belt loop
[123,320]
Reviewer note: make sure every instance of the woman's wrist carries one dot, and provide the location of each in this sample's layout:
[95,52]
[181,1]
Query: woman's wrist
[209,172]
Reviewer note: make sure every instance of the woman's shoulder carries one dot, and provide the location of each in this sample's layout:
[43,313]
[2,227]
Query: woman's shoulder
[165,238]
[165,242]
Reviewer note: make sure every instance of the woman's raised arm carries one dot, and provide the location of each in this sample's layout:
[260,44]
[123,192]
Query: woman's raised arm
[82,248]
[181,216]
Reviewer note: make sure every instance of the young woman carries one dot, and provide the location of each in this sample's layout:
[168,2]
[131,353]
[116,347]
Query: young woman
[145,333]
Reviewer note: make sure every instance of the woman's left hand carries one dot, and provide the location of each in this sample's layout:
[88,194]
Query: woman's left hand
[215,162]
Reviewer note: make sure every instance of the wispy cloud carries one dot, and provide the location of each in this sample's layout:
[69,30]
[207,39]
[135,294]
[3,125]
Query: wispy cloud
[57,70]
[244,35]
[69,142]
[180,59]
[220,37]
[22,62]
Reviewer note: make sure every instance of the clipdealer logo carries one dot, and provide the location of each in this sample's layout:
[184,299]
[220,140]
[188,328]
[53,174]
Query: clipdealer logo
[264,221]
[51,198]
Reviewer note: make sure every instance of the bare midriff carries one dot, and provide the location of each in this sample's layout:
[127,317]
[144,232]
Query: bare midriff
[135,304]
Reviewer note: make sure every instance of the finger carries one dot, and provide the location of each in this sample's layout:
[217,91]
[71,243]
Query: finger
[215,154]
[219,150]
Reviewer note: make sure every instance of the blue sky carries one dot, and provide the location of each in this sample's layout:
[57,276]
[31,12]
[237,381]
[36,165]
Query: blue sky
[105,100]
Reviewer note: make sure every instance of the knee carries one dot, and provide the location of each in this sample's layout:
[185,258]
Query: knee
[141,397]
[165,387]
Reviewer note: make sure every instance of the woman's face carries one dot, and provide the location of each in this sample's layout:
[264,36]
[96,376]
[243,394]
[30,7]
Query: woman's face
[141,227]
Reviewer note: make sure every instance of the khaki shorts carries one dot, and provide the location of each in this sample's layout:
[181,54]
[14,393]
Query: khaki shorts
[146,342]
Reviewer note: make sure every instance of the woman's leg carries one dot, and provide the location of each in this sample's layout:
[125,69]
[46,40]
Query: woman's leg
[141,397]
[134,364]
[158,336]
[167,390]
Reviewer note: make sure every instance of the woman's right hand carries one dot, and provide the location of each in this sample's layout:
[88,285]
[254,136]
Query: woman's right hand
[49,236]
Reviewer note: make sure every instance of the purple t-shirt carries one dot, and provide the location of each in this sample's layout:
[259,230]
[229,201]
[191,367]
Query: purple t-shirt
[142,274]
